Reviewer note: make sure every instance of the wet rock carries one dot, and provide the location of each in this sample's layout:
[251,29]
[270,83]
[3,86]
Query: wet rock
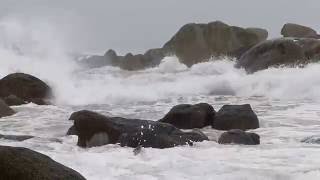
[72,131]
[279,52]
[5,110]
[95,129]
[236,117]
[237,136]
[187,116]
[298,31]
[195,43]
[311,140]
[13,100]
[24,164]
[16,137]
[26,87]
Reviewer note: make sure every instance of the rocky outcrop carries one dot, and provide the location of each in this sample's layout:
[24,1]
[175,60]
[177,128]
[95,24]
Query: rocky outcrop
[24,164]
[129,62]
[298,31]
[236,117]
[279,52]
[94,129]
[187,116]
[26,87]
[237,136]
[5,110]
[195,43]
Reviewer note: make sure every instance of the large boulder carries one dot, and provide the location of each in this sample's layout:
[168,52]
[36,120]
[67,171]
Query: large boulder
[94,129]
[237,136]
[278,52]
[187,116]
[298,31]
[26,87]
[5,110]
[24,164]
[236,117]
[195,43]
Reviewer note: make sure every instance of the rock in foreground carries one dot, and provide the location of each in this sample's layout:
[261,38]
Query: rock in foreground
[236,117]
[26,87]
[187,116]
[94,129]
[23,164]
[237,136]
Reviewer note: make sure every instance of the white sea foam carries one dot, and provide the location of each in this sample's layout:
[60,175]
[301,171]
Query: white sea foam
[286,101]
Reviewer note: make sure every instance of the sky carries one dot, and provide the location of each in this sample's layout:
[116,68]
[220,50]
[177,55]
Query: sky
[94,26]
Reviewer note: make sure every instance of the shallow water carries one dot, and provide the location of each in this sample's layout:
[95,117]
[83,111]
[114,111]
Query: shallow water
[281,155]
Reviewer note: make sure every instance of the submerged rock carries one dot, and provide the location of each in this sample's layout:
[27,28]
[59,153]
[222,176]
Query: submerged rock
[16,137]
[298,31]
[24,164]
[237,136]
[26,87]
[278,52]
[95,130]
[195,43]
[187,116]
[5,110]
[312,140]
[236,117]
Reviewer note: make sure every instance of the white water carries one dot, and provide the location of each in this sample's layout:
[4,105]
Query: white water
[286,101]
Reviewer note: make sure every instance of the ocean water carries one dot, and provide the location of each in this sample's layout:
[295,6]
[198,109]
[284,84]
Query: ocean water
[286,100]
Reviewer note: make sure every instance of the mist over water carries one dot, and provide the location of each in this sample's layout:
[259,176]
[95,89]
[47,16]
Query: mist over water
[38,50]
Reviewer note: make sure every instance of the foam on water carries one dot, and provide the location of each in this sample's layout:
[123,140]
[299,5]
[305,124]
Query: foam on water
[286,101]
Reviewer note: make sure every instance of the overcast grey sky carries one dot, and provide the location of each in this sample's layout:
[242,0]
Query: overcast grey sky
[137,25]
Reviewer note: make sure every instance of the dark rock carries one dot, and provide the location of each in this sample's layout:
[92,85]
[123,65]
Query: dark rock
[298,31]
[95,129]
[278,52]
[24,86]
[312,140]
[195,43]
[5,110]
[187,116]
[236,117]
[23,164]
[237,136]
[129,62]
[72,131]
[15,137]
[13,100]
